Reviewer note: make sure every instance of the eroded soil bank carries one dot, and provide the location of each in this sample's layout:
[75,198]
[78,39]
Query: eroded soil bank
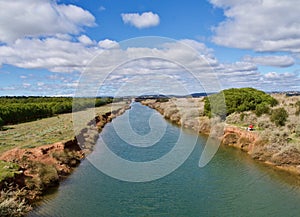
[44,167]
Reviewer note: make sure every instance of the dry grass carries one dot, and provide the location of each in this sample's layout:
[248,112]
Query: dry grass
[12,203]
[284,137]
[44,131]
[277,144]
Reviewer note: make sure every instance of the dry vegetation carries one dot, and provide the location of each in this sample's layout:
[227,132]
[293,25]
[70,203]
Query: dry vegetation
[186,112]
[281,137]
[270,142]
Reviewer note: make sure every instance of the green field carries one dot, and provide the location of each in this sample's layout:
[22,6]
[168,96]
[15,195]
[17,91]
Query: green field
[44,131]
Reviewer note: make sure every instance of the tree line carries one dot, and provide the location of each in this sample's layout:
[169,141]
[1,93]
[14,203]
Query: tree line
[15,110]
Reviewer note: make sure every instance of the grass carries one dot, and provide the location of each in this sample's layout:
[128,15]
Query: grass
[8,170]
[45,131]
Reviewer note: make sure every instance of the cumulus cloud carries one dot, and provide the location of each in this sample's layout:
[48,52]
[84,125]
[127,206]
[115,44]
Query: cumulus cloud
[277,76]
[185,62]
[277,61]
[107,44]
[280,81]
[50,53]
[243,74]
[59,55]
[261,25]
[236,67]
[85,40]
[33,18]
[140,21]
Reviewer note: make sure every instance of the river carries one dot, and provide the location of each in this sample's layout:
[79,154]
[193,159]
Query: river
[231,184]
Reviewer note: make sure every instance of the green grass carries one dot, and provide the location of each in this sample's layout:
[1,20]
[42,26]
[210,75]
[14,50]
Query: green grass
[44,131]
[8,170]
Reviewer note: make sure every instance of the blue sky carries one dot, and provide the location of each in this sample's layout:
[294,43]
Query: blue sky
[47,47]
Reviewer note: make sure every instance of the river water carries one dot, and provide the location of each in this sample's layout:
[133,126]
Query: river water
[232,184]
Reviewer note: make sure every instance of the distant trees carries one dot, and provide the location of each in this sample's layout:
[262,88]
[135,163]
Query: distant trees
[238,100]
[22,109]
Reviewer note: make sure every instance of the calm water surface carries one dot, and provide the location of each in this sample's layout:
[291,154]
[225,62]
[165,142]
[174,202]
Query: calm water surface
[232,184]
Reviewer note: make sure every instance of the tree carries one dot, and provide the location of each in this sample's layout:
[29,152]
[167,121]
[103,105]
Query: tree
[279,116]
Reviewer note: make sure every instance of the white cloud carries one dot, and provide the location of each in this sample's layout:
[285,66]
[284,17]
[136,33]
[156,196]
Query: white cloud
[33,18]
[277,61]
[275,75]
[51,53]
[280,81]
[261,25]
[144,20]
[108,44]
[236,67]
[85,40]
[102,8]
[60,55]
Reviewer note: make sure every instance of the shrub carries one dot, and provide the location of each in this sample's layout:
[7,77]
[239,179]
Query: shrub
[48,175]
[297,108]
[279,116]
[162,100]
[242,116]
[1,123]
[297,131]
[215,106]
[262,108]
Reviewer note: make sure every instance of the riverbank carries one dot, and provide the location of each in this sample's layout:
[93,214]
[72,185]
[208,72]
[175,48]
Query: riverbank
[232,184]
[272,145]
[40,168]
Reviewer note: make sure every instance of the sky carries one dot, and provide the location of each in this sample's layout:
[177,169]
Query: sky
[134,47]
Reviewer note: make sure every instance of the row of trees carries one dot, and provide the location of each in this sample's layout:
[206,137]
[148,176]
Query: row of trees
[15,110]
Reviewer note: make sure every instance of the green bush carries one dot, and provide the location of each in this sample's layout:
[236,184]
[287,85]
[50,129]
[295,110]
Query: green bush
[1,123]
[262,108]
[279,116]
[162,100]
[215,106]
[237,100]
